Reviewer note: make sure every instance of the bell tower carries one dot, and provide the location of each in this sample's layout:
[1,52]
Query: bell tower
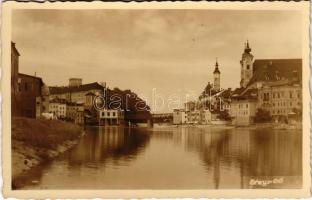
[216,77]
[246,65]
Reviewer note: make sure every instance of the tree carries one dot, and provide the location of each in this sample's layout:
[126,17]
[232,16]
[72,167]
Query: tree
[262,116]
[224,115]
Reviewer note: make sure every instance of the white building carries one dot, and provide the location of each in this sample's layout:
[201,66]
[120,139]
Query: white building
[111,117]
[179,116]
[58,108]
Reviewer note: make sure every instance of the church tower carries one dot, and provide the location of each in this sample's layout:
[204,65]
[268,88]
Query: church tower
[246,66]
[216,77]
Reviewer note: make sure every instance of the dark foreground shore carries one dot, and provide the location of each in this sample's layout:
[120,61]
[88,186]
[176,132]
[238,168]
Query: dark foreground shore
[35,141]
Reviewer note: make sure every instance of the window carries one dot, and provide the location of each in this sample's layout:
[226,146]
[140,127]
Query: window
[114,114]
[246,105]
[103,114]
[248,66]
[26,86]
[278,95]
[266,97]
[108,113]
[290,94]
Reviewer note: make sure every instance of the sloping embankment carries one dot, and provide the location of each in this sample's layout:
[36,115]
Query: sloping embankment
[35,141]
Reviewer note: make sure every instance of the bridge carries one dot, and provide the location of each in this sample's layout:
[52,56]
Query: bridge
[162,117]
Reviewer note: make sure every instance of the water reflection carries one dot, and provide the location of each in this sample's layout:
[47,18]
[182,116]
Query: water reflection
[177,158]
[259,154]
[103,144]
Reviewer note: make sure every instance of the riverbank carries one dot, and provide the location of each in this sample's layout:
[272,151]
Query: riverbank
[36,141]
[275,126]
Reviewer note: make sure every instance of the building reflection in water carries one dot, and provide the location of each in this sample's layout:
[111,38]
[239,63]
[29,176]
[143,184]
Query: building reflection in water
[177,158]
[118,145]
[261,154]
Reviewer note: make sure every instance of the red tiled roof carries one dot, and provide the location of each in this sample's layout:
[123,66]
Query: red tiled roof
[276,69]
[241,93]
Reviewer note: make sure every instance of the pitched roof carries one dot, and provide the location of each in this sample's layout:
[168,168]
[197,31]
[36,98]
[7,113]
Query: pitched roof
[250,94]
[30,76]
[81,88]
[57,100]
[276,69]
[238,91]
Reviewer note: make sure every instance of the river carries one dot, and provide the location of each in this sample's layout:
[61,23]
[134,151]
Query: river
[176,158]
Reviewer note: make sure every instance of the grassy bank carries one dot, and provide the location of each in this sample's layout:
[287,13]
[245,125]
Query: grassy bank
[43,133]
[35,141]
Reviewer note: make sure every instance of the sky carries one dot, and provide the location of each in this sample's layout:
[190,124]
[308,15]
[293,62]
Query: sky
[165,56]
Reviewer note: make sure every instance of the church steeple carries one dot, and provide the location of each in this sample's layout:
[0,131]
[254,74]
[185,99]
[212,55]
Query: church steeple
[247,48]
[216,67]
[246,65]
[216,76]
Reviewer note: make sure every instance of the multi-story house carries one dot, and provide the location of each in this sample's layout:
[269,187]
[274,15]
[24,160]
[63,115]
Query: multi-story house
[111,117]
[58,108]
[281,98]
[27,99]
[179,116]
[72,110]
[278,85]
[244,107]
[76,93]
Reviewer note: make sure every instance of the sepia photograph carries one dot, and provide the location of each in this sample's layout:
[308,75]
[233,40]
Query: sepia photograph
[211,98]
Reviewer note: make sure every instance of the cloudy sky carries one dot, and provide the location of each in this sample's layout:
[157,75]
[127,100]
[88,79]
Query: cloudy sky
[173,51]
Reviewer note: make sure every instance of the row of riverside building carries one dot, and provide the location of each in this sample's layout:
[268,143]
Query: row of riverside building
[30,97]
[271,85]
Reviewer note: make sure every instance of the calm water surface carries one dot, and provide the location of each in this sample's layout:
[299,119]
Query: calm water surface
[175,158]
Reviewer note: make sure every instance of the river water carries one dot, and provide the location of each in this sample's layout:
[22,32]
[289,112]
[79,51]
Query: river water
[176,158]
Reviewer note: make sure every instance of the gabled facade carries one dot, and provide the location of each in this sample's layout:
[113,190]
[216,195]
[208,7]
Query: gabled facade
[243,107]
